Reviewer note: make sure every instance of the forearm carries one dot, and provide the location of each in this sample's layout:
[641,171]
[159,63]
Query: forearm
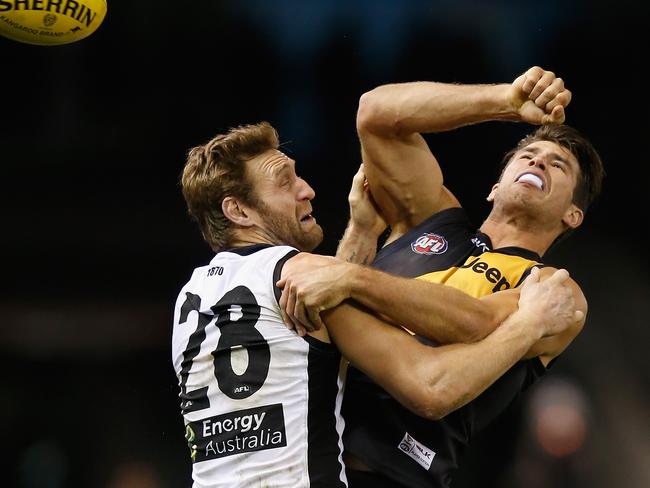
[430,381]
[463,371]
[435,311]
[357,246]
[422,107]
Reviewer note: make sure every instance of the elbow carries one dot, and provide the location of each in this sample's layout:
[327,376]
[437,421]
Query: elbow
[372,116]
[475,325]
[435,405]
[472,332]
[480,322]
[435,397]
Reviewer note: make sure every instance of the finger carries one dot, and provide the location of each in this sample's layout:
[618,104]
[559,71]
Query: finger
[280,283]
[301,315]
[359,176]
[563,98]
[542,84]
[283,305]
[291,303]
[314,317]
[560,276]
[531,77]
[556,117]
[550,93]
[578,316]
[302,332]
[533,277]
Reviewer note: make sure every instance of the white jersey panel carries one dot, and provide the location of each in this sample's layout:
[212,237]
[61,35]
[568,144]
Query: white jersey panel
[244,376]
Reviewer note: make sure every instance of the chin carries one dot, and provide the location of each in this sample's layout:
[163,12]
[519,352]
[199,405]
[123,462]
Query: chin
[311,240]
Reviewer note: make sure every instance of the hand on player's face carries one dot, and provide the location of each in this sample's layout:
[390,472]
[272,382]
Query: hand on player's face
[319,285]
[539,97]
[550,302]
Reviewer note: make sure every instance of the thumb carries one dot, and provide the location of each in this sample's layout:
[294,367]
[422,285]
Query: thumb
[281,283]
[557,116]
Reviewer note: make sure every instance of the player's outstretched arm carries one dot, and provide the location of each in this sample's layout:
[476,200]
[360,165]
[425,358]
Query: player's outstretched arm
[404,176]
[433,381]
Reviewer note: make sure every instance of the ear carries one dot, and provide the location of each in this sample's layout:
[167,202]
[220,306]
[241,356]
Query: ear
[236,212]
[573,217]
[490,197]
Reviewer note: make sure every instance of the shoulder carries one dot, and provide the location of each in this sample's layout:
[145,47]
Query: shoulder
[304,261]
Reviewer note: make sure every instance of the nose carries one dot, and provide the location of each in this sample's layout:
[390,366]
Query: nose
[306,192]
[537,161]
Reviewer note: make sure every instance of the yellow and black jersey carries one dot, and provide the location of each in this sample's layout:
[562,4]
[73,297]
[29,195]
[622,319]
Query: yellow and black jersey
[486,273]
[410,450]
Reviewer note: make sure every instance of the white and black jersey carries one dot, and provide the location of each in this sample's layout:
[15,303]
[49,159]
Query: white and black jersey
[260,403]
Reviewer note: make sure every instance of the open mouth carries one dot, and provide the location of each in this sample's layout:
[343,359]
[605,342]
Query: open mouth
[532,179]
[307,218]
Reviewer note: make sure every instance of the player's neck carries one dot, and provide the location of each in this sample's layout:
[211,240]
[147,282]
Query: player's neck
[250,237]
[515,233]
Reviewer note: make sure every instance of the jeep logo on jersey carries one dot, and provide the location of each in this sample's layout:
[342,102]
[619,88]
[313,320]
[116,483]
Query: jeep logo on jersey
[429,244]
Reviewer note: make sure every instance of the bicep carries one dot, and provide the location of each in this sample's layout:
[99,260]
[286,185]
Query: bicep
[404,177]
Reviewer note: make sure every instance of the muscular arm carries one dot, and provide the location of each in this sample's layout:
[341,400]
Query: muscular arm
[429,381]
[404,176]
[313,284]
[432,310]
[432,381]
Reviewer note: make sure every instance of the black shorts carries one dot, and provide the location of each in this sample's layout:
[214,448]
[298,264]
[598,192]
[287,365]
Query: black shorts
[369,479]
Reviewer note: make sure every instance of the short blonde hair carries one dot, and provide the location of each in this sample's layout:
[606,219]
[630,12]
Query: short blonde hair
[217,170]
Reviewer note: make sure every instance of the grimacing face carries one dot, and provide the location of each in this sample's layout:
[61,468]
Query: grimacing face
[541,176]
[284,201]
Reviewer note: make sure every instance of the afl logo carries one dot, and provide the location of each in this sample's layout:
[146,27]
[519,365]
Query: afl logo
[429,244]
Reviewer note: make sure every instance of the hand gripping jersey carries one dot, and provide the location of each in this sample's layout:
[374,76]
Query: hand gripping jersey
[410,450]
[260,403]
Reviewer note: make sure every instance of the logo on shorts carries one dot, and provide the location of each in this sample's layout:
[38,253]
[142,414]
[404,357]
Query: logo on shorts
[416,451]
[429,244]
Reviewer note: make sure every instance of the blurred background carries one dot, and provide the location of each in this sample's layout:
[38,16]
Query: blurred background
[96,242]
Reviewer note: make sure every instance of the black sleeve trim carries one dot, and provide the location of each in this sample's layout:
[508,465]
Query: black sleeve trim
[527,272]
[277,273]
[321,346]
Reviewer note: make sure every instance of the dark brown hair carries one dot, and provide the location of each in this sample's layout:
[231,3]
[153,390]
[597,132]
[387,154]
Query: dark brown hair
[592,172]
[217,170]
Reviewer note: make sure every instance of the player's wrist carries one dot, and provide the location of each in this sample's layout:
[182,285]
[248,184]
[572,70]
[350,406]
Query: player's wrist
[528,323]
[507,101]
[363,231]
[359,279]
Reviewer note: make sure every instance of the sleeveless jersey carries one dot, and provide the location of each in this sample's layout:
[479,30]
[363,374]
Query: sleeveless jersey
[390,439]
[261,405]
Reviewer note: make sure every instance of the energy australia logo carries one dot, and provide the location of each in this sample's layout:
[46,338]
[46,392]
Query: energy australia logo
[253,429]
[429,244]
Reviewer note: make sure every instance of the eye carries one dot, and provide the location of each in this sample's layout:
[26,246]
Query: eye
[526,156]
[557,164]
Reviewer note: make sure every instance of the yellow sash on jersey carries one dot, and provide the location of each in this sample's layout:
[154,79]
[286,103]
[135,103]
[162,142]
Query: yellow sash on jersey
[484,274]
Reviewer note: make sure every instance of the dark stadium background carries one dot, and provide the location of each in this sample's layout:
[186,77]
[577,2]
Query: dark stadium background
[96,242]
